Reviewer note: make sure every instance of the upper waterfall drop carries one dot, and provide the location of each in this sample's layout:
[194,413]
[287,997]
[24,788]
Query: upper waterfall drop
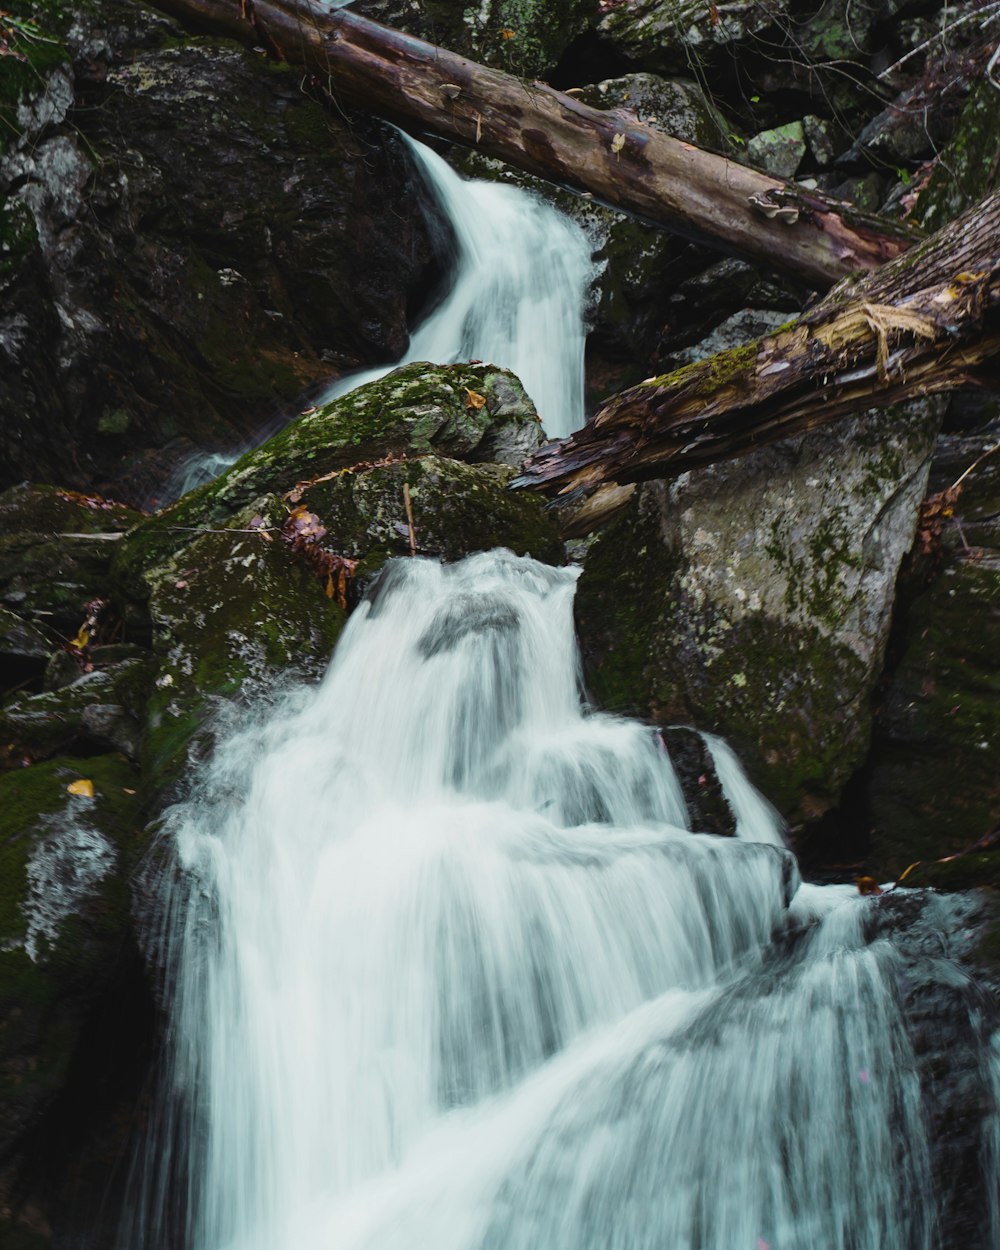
[520,273]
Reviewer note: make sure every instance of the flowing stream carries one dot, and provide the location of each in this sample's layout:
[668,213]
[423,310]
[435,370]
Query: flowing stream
[448,970]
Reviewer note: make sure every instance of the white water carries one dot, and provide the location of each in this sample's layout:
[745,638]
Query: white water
[520,271]
[448,971]
[519,274]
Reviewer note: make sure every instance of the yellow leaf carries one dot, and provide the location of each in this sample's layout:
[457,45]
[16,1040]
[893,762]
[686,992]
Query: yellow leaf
[475,401]
[507,33]
[84,788]
[329,585]
[81,640]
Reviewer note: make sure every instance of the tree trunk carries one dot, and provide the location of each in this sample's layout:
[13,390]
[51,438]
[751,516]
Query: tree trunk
[927,322]
[607,154]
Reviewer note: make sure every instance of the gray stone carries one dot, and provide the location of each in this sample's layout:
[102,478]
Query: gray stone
[779,151]
[757,596]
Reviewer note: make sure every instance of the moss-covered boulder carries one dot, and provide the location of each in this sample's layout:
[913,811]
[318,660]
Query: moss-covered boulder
[232,613]
[473,412]
[455,509]
[187,240]
[754,599]
[66,853]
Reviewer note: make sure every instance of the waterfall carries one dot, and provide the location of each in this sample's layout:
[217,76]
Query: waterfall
[520,272]
[446,968]
[518,281]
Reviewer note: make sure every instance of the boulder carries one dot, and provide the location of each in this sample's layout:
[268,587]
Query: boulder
[472,412]
[753,599]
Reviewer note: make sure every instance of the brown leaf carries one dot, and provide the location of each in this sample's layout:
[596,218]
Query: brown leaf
[475,401]
[867,885]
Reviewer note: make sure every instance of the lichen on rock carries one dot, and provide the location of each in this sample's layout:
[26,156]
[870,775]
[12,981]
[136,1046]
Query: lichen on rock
[755,599]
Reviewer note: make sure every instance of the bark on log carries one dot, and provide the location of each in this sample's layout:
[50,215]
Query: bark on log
[927,322]
[608,154]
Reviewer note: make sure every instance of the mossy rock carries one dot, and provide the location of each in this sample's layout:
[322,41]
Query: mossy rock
[65,861]
[56,548]
[103,710]
[456,509]
[753,600]
[231,613]
[934,785]
[468,412]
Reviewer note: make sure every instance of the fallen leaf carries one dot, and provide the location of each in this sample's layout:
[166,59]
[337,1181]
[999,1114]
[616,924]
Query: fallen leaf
[617,143]
[507,33]
[81,640]
[83,788]
[475,401]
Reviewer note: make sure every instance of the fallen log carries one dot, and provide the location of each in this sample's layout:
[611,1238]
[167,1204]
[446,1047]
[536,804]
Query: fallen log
[926,322]
[608,154]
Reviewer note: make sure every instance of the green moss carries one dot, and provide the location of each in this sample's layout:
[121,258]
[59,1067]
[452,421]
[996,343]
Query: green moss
[707,377]
[231,608]
[417,410]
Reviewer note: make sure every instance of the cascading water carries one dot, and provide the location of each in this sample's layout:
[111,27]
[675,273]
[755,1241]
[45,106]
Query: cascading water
[520,270]
[518,282]
[446,969]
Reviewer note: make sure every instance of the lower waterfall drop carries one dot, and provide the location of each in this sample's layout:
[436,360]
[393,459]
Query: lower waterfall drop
[447,969]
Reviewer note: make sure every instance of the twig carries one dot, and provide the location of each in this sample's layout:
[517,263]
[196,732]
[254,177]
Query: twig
[990,451]
[922,47]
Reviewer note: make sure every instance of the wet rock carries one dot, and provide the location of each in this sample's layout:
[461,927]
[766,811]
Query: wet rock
[753,599]
[821,138]
[64,866]
[456,509]
[779,151]
[945,950]
[23,648]
[708,811]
